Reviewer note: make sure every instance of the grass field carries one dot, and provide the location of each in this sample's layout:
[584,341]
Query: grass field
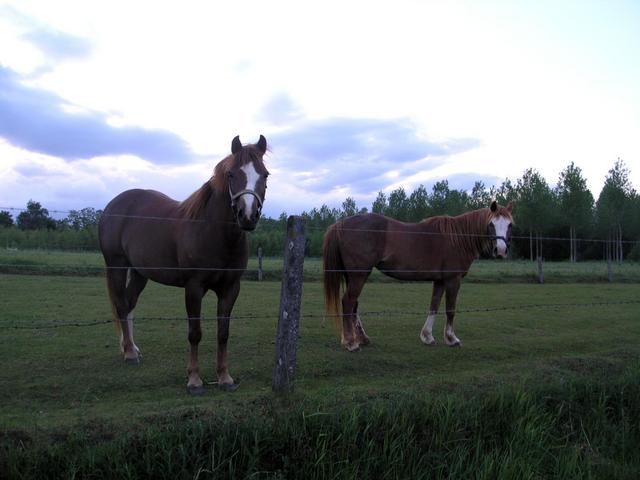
[69,382]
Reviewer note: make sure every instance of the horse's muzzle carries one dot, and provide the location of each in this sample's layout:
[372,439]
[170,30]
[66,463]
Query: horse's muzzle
[250,223]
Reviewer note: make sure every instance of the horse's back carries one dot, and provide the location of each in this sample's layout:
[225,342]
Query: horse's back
[133,218]
[362,239]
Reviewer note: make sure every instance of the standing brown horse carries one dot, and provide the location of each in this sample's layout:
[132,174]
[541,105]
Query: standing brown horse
[199,244]
[438,249]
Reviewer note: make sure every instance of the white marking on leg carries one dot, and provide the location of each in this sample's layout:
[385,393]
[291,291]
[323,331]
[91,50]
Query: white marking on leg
[426,334]
[130,325]
[252,182]
[449,336]
[128,280]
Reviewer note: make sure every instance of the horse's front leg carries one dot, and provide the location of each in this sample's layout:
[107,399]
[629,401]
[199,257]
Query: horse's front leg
[226,299]
[426,334]
[193,301]
[452,286]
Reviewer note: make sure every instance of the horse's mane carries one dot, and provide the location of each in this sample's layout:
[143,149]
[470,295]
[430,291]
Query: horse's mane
[193,206]
[467,232]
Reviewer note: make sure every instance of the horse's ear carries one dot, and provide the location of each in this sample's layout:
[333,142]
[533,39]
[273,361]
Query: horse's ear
[236,145]
[510,207]
[494,206]
[262,144]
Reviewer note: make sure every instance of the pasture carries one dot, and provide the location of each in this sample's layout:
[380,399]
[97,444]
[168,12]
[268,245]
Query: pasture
[63,377]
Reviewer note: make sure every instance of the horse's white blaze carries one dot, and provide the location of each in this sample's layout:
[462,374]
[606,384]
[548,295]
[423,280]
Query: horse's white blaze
[501,225]
[253,177]
[426,334]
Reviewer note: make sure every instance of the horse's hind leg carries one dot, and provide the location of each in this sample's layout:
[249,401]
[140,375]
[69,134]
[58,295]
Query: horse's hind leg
[361,335]
[117,282]
[351,337]
[134,285]
[452,286]
[426,334]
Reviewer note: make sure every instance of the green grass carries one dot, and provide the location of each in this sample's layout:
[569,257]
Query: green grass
[71,385]
[52,262]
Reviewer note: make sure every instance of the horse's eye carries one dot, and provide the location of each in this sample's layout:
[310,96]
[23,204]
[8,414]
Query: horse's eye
[230,174]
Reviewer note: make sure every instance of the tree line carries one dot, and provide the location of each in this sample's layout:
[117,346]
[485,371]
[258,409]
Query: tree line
[563,221]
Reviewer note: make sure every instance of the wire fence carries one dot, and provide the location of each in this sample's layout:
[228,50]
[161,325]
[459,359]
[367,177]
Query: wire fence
[97,269]
[44,323]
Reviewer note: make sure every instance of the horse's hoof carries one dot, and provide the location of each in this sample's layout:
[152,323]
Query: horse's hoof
[364,342]
[229,387]
[353,349]
[133,361]
[431,343]
[455,344]
[195,389]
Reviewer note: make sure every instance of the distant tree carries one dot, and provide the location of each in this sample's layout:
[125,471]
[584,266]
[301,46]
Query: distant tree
[419,204]
[83,219]
[614,206]
[380,204]
[457,202]
[505,193]
[439,198]
[480,197]
[349,208]
[536,206]
[576,205]
[6,220]
[398,205]
[35,218]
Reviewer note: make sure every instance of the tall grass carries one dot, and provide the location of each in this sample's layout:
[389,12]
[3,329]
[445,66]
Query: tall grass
[569,429]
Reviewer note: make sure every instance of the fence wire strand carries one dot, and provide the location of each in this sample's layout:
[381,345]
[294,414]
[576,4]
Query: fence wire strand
[43,324]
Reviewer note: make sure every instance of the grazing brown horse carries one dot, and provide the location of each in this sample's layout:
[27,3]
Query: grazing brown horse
[199,244]
[438,249]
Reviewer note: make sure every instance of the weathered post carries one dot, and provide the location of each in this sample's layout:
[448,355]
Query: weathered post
[259,264]
[609,270]
[540,272]
[290,297]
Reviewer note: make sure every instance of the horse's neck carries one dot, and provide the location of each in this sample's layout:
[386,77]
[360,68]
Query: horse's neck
[220,216]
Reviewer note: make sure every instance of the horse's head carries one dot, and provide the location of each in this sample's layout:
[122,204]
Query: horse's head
[500,221]
[247,180]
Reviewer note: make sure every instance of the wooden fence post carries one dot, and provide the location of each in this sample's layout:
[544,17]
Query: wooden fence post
[290,297]
[609,270]
[259,264]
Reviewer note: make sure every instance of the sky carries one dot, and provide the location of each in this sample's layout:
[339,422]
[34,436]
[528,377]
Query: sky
[353,97]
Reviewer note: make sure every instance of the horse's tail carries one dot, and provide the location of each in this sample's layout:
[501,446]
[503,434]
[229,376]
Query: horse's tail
[334,274]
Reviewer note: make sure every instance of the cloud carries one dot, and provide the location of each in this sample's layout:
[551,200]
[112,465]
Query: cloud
[37,120]
[361,155]
[54,45]
[58,46]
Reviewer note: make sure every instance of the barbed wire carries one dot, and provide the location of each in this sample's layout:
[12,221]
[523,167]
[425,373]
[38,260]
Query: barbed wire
[43,323]
[579,267]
